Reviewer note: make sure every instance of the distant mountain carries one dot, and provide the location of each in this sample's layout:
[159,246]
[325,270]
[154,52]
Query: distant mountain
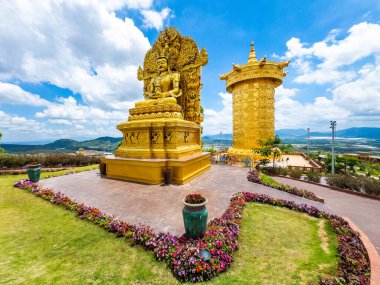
[285,133]
[368,133]
[225,139]
[111,143]
[66,145]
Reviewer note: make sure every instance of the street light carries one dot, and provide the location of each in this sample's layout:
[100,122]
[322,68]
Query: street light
[308,142]
[333,126]
[220,137]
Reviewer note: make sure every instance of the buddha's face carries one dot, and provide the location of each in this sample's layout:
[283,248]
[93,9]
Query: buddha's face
[162,64]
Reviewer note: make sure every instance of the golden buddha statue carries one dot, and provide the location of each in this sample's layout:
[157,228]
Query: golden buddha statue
[164,88]
[163,131]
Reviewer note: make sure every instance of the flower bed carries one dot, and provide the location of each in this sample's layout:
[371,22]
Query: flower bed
[221,238]
[254,176]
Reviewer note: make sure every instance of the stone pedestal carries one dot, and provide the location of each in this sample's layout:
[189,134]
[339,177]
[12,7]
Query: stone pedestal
[159,138]
[151,146]
[151,171]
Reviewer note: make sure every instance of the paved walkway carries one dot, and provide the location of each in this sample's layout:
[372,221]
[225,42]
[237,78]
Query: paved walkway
[160,206]
[364,212]
[293,160]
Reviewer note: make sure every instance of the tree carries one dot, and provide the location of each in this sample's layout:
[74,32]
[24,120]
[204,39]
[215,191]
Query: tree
[272,147]
[1,149]
[339,165]
[351,162]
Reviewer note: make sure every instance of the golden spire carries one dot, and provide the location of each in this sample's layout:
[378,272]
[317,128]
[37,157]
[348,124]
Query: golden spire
[252,54]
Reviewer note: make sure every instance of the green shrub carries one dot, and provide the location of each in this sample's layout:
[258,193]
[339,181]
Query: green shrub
[355,182]
[46,160]
[295,173]
[371,186]
[314,176]
[284,171]
[273,170]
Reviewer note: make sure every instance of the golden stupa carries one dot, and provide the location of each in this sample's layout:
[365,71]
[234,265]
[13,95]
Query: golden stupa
[252,86]
[163,131]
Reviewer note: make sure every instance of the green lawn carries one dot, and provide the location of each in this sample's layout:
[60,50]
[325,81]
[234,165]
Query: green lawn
[269,180]
[44,244]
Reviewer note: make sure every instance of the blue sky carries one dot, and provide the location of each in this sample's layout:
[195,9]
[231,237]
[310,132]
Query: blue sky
[68,68]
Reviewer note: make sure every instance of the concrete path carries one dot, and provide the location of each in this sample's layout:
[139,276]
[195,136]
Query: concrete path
[160,206]
[364,212]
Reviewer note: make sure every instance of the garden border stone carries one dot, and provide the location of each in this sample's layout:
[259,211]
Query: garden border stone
[333,188]
[374,257]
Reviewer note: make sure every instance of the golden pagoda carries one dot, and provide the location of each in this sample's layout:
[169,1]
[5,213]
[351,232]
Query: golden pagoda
[163,131]
[253,87]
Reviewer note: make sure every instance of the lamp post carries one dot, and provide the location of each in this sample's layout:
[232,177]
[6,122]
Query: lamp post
[333,126]
[308,142]
[220,137]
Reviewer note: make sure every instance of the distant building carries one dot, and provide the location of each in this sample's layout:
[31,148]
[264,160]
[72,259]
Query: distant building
[364,157]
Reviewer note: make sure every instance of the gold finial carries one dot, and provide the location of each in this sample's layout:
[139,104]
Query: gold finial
[252,53]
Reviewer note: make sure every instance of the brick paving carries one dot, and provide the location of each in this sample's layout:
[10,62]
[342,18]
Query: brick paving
[160,206]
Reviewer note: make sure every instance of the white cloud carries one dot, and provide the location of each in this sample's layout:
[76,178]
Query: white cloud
[60,122]
[155,19]
[16,124]
[219,121]
[68,112]
[13,94]
[349,65]
[334,55]
[79,45]
[17,128]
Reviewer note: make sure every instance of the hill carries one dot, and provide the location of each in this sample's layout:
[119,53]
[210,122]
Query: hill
[367,133]
[111,143]
[66,145]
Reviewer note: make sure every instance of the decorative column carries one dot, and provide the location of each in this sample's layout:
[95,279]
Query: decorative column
[253,87]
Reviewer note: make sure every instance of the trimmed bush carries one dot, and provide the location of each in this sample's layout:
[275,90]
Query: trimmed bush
[314,176]
[273,170]
[254,176]
[295,173]
[355,183]
[46,160]
[284,171]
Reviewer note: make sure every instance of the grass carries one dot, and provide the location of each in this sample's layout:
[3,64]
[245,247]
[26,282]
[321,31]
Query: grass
[280,246]
[269,180]
[44,244]
[63,172]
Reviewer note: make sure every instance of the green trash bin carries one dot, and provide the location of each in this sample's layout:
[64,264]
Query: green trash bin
[195,219]
[34,172]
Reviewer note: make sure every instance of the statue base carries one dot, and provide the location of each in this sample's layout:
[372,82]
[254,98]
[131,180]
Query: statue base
[151,171]
[240,152]
[246,153]
[153,145]
[170,138]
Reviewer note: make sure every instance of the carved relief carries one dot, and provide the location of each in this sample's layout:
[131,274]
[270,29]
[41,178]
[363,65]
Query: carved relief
[154,137]
[168,137]
[134,137]
[186,137]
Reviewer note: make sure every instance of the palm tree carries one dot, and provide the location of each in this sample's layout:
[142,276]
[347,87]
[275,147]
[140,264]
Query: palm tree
[1,149]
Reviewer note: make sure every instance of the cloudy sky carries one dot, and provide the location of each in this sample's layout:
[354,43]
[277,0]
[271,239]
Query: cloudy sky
[68,67]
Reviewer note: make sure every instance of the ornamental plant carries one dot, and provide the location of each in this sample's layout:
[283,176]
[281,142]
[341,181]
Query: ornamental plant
[195,199]
[183,255]
[254,176]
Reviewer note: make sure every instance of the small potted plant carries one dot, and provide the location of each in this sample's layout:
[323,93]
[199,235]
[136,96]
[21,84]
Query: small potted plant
[195,215]
[34,171]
